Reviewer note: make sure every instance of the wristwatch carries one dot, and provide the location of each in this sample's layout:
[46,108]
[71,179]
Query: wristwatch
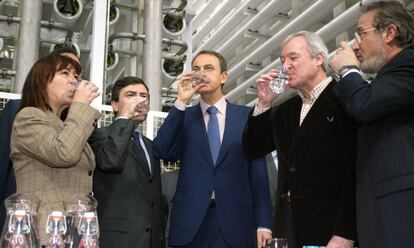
[345,69]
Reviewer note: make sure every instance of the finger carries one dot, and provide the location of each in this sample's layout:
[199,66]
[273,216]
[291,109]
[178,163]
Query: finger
[94,89]
[95,94]
[265,77]
[184,81]
[198,86]
[259,241]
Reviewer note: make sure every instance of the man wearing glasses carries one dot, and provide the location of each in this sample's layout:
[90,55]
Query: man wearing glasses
[384,110]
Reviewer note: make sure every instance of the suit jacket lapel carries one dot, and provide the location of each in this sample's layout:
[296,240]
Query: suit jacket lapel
[199,133]
[148,145]
[315,113]
[139,155]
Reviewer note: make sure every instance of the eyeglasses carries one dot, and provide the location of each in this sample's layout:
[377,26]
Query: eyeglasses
[358,33]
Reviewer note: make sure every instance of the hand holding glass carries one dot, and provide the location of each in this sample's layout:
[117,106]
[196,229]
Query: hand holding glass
[279,83]
[198,78]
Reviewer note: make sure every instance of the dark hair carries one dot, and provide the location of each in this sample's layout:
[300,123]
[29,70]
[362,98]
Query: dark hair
[34,93]
[60,51]
[124,82]
[391,12]
[222,61]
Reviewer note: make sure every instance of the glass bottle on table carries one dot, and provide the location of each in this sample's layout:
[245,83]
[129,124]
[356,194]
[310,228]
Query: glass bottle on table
[56,228]
[21,228]
[89,230]
[75,209]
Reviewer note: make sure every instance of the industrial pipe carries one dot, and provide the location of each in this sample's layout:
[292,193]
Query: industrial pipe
[46,24]
[125,35]
[28,40]
[5,73]
[67,11]
[328,32]
[223,30]
[152,50]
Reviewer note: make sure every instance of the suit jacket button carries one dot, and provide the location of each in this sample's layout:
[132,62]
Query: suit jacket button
[150,181]
[90,173]
[292,169]
[152,204]
[148,229]
[94,123]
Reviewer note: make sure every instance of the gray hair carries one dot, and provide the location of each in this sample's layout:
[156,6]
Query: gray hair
[392,12]
[315,44]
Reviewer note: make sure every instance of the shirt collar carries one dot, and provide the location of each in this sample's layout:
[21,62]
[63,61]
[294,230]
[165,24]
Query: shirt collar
[315,93]
[221,105]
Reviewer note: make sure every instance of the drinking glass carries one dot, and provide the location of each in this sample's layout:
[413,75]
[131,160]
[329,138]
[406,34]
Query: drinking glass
[76,83]
[276,243]
[142,108]
[279,83]
[198,78]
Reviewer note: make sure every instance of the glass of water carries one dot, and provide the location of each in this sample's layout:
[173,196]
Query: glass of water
[198,78]
[279,83]
[276,243]
[142,108]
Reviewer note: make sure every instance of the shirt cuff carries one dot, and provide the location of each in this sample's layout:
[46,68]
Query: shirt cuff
[351,71]
[121,117]
[257,110]
[180,105]
[264,229]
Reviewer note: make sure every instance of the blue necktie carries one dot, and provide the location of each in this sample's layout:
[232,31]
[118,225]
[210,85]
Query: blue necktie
[139,142]
[213,133]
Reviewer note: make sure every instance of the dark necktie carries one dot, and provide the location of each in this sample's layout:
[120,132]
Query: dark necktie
[139,142]
[213,133]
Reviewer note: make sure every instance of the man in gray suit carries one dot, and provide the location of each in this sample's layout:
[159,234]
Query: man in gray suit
[127,180]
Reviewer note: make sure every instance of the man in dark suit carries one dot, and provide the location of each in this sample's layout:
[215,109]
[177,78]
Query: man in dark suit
[315,140]
[7,179]
[222,198]
[384,111]
[127,181]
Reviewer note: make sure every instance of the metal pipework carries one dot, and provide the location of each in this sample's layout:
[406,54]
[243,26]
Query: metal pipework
[10,19]
[179,43]
[152,50]
[125,5]
[5,73]
[329,31]
[55,25]
[126,35]
[135,36]
[46,24]
[28,40]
